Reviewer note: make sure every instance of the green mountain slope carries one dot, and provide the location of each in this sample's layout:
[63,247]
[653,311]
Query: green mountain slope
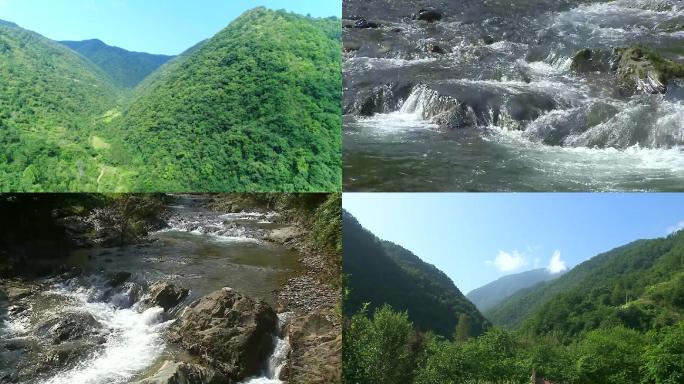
[257,107]
[639,285]
[51,100]
[495,292]
[125,68]
[379,272]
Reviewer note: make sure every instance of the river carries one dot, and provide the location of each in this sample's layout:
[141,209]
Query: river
[499,108]
[200,249]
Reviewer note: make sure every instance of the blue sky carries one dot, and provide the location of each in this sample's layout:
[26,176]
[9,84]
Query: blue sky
[477,238]
[155,26]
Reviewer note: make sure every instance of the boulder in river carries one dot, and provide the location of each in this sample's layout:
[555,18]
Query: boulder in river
[118,278]
[70,326]
[183,373]
[429,15]
[227,331]
[363,24]
[590,60]
[644,70]
[316,350]
[165,295]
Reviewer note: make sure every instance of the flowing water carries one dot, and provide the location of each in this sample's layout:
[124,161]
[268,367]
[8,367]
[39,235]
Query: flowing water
[200,250]
[500,108]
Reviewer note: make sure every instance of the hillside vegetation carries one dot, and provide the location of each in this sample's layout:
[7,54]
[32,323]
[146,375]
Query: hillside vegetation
[50,99]
[617,318]
[379,272]
[255,108]
[633,285]
[125,68]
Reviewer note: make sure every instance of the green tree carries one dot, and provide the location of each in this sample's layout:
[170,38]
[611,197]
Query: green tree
[665,358]
[463,328]
[610,356]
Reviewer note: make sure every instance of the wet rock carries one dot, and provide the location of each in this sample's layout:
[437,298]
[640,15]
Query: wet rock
[65,354]
[363,24]
[316,356]
[487,39]
[17,293]
[429,15]
[183,373]
[590,60]
[165,295]
[643,70]
[118,278]
[228,332]
[70,326]
[432,48]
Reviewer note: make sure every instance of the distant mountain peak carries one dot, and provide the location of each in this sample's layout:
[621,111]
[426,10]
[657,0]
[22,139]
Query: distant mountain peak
[493,293]
[8,23]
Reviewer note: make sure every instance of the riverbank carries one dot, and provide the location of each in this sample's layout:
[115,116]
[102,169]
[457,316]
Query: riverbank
[263,254]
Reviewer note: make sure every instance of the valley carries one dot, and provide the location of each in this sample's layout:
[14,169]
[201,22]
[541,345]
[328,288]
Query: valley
[615,318]
[102,119]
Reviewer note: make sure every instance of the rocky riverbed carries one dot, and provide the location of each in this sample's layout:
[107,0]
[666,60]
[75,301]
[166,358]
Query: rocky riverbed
[210,296]
[501,95]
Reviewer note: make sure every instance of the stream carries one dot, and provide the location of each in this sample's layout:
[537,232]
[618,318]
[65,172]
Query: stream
[496,106]
[121,340]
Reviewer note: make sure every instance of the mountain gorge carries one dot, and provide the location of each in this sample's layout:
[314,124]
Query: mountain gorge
[256,107]
[380,272]
[495,292]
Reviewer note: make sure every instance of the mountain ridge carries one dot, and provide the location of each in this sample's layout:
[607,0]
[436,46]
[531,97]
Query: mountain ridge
[382,272]
[492,293]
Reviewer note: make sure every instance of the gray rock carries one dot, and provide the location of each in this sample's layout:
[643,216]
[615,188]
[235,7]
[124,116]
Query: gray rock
[228,332]
[183,373]
[165,295]
[71,326]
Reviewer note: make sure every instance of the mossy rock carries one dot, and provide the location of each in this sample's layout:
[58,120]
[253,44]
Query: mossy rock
[643,69]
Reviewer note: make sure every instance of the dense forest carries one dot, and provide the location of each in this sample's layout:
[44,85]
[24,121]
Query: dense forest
[378,272]
[255,108]
[616,318]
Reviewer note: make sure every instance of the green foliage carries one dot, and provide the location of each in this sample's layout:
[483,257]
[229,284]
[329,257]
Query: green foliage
[637,286]
[255,108]
[379,272]
[48,99]
[125,68]
[377,350]
[605,355]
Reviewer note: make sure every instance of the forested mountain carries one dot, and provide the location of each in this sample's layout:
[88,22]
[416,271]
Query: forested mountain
[639,286]
[125,68]
[50,101]
[379,272]
[256,107]
[493,293]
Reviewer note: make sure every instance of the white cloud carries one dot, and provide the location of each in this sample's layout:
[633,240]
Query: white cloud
[508,261]
[556,265]
[675,228]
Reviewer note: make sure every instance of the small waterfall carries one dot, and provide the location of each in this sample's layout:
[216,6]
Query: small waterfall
[278,359]
[132,337]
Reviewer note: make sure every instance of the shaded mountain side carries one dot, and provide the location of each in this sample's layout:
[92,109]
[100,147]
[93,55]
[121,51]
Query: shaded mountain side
[379,272]
[50,101]
[495,292]
[639,285]
[125,68]
[256,107]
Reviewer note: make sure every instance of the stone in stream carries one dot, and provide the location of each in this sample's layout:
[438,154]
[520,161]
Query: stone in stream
[429,15]
[640,69]
[183,373]
[227,331]
[70,326]
[591,60]
[165,295]
[118,278]
[363,23]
